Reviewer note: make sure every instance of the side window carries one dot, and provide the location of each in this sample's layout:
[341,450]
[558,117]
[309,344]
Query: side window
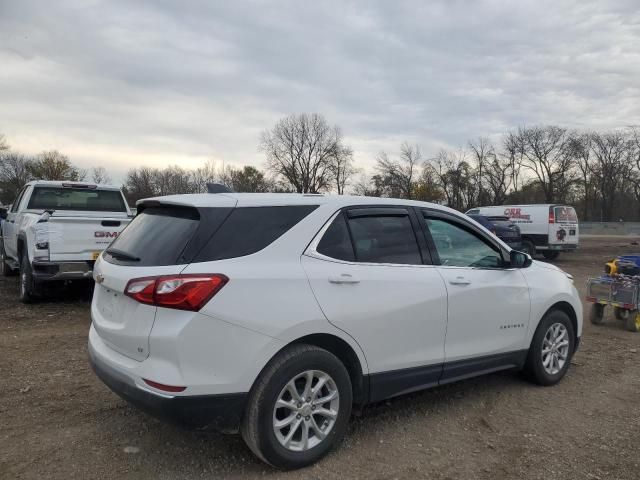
[16,202]
[385,239]
[458,247]
[335,242]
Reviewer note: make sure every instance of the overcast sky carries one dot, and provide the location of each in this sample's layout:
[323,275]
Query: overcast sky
[127,83]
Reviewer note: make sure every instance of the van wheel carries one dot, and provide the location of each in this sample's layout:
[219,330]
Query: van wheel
[596,315]
[551,349]
[529,248]
[298,408]
[550,254]
[27,283]
[5,269]
[632,322]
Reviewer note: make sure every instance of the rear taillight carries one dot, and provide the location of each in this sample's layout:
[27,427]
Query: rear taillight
[183,292]
[552,216]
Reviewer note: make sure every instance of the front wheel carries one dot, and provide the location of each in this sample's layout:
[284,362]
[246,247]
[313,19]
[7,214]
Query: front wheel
[299,407]
[551,349]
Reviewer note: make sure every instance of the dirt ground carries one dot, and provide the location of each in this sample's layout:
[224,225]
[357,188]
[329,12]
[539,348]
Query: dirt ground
[58,421]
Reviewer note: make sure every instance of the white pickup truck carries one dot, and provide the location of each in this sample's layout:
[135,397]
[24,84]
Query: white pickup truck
[54,231]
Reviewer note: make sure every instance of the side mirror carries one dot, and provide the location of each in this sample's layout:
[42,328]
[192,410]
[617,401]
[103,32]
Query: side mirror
[3,213]
[519,259]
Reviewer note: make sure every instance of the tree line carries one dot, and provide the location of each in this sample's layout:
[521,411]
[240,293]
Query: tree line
[598,172]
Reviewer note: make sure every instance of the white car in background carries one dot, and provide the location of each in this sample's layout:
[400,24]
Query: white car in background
[275,314]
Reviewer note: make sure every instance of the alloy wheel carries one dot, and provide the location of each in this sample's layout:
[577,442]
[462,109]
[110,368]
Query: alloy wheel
[555,348]
[306,410]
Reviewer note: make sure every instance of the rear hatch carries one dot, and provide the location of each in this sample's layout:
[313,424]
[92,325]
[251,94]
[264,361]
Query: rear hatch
[161,240]
[563,225]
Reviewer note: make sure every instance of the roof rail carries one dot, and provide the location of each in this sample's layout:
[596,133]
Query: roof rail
[218,188]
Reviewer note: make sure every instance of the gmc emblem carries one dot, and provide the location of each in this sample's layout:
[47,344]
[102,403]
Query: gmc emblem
[105,234]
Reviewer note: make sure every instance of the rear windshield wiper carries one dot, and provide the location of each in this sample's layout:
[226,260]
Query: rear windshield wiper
[114,252]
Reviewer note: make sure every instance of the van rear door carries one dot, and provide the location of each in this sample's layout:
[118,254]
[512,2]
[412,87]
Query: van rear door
[563,225]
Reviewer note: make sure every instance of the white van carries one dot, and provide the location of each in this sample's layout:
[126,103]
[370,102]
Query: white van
[547,229]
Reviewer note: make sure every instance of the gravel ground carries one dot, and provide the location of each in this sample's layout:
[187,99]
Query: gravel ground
[58,421]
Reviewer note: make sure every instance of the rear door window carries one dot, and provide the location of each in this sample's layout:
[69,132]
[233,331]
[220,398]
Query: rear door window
[385,239]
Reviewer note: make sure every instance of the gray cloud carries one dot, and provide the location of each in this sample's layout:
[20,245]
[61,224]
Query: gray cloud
[126,83]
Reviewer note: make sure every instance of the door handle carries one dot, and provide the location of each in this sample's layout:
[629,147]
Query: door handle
[460,281]
[343,278]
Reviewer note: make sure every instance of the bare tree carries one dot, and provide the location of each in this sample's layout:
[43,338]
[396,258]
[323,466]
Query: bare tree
[207,173]
[3,143]
[342,168]
[514,152]
[546,154]
[483,153]
[611,165]
[499,178]
[300,149]
[15,171]
[99,175]
[396,177]
[456,178]
[53,165]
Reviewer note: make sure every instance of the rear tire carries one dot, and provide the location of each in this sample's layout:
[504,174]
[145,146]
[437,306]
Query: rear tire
[28,291]
[528,247]
[550,254]
[551,349]
[596,314]
[291,369]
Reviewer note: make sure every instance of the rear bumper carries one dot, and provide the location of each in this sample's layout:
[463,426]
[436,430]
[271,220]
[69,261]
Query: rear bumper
[52,271]
[222,413]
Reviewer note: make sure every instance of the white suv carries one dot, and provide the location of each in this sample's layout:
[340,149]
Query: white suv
[276,314]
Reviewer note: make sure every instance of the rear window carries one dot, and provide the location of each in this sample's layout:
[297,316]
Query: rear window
[82,199]
[565,214]
[248,230]
[155,237]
